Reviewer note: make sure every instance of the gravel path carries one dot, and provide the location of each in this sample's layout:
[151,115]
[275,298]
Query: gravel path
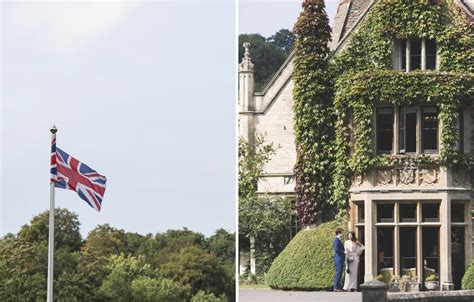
[257,295]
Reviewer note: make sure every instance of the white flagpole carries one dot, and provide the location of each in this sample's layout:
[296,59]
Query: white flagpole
[51,232]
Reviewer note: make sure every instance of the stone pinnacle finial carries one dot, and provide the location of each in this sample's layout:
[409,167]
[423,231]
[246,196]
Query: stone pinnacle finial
[247,47]
[53,129]
[246,64]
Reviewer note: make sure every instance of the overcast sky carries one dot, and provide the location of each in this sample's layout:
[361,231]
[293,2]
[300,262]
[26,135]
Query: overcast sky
[269,16]
[143,92]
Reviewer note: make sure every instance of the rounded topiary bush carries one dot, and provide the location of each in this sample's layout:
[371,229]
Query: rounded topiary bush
[307,261]
[468,278]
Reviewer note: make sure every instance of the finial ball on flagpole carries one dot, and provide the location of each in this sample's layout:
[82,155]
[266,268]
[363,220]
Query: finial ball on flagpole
[53,129]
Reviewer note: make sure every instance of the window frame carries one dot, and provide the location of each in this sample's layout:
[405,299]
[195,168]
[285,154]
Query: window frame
[397,225]
[400,134]
[402,54]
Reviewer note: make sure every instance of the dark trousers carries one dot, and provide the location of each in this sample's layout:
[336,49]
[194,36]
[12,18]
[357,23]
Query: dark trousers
[337,277]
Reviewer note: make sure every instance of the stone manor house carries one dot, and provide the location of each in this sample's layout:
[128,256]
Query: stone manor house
[414,221]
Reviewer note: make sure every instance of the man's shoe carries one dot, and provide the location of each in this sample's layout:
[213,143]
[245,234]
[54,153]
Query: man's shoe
[338,290]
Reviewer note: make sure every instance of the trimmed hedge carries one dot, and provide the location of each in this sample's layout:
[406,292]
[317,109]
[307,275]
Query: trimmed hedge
[468,278]
[307,261]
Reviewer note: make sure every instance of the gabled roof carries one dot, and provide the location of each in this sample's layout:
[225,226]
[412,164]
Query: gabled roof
[348,15]
[469,4]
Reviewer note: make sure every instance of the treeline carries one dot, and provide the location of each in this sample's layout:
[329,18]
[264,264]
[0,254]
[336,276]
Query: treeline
[267,54]
[114,265]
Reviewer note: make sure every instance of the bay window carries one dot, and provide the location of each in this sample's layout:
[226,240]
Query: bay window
[408,245]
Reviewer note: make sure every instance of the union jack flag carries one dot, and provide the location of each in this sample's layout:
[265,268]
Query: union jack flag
[70,174]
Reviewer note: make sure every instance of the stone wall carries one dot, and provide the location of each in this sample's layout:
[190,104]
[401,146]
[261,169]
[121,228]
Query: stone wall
[276,123]
[376,291]
[446,296]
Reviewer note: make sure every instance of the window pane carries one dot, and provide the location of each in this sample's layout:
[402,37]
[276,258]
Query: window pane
[457,212]
[385,213]
[430,54]
[457,255]
[410,124]
[361,272]
[401,129]
[430,212]
[407,212]
[430,128]
[400,55]
[404,54]
[408,251]
[360,213]
[460,129]
[415,54]
[384,129]
[385,252]
[430,237]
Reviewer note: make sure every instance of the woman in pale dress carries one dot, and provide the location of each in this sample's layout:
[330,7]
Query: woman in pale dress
[353,248]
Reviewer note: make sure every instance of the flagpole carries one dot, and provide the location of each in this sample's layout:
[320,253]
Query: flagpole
[51,231]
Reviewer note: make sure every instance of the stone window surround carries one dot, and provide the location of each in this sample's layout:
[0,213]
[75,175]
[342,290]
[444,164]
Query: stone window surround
[419,148]
[397,59]
[357,226]
[396,128]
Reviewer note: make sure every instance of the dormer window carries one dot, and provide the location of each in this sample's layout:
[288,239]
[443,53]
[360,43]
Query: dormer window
[415,54]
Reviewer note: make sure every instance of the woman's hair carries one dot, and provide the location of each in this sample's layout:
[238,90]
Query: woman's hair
[354,238]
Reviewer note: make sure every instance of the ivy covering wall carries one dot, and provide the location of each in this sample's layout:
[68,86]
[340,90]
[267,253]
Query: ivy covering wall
[314,123]
[361,76]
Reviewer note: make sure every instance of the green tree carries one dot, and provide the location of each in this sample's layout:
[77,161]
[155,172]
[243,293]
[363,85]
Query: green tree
[261,220]
[112,265]
[146,289]
[283,39]
[202,296]
[23,270]
[252,159]
[202,271]
[266,56]
[264,217]
[123,270]
[162,247]
[222,245]
[104,240]
[263,227]
[24,259]
[66,229]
